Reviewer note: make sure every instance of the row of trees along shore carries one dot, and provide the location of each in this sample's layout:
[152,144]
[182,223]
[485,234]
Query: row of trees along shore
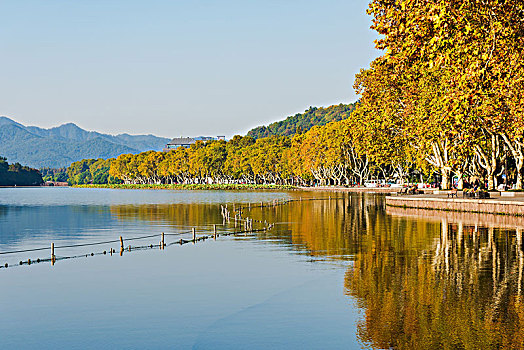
[324,155]
[447,92]
[445,97]
[89,171]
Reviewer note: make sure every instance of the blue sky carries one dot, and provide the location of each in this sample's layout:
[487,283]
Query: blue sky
[176,68]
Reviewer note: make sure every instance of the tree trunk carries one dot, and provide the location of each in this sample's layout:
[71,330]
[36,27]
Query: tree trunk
[445,172]
[518,183]
[516,148]
[489,159]
[440,159]
[491,182]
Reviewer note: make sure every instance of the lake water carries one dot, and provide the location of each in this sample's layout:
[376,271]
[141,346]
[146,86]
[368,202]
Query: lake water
[334,273]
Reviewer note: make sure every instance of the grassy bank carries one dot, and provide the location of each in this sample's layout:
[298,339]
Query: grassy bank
[193,187]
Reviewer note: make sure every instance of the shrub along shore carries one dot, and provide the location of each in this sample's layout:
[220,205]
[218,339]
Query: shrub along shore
[190,186]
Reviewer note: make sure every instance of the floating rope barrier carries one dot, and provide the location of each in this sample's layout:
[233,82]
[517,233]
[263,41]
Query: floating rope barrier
[226,215]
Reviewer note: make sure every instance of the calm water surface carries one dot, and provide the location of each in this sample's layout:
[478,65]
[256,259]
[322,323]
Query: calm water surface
[333,274]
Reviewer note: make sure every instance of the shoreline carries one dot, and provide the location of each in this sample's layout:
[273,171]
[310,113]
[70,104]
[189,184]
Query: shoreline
[35,186]
[190,187]
[225,187]
[383,190]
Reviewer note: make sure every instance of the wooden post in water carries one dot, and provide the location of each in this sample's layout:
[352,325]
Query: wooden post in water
[53,258]
[162,244]
[121,245]
[215,231]
[194,234]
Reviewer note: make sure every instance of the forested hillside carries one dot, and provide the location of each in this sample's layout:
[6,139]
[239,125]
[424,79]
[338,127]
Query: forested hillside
[18,175]
[302,122]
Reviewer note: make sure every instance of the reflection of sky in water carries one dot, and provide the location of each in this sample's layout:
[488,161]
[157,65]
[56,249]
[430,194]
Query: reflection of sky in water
[30,217]
[235,291]
[411,273]
[30,224]
[89,196]
[177,298]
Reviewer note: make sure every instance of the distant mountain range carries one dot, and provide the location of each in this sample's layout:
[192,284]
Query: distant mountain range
[302,122]
[60,146]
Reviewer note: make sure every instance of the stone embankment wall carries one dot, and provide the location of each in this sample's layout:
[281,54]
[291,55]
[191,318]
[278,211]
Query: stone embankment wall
[494,206]
[466,218]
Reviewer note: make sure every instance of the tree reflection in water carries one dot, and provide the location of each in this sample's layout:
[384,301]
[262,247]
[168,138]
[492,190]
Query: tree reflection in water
[423,279]
[462,289]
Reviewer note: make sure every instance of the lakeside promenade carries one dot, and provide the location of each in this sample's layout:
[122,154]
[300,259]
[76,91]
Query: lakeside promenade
[509,203]
[499,203]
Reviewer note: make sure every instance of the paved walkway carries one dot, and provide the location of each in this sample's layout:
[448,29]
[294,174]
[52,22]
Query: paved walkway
[496,204]
[517,197]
